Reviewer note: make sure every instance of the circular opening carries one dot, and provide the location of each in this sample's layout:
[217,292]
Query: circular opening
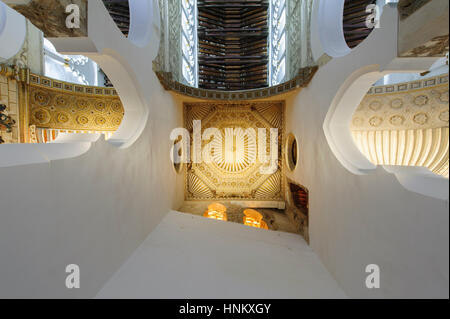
[291,152]
[177,156]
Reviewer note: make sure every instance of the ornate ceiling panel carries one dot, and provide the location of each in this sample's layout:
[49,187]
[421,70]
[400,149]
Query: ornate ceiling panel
[64,106]
[423,108]
[405,124]
[235,174]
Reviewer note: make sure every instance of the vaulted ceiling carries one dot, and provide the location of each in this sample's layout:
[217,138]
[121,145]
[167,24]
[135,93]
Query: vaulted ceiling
[216,178]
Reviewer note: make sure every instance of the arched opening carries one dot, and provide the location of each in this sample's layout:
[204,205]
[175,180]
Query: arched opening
[405,123]
[342,25]
[210,48]
[136,20]
[37,109]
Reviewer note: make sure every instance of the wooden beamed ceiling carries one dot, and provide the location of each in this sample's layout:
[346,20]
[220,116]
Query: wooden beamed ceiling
[355,16]
[233,44]
[120,12]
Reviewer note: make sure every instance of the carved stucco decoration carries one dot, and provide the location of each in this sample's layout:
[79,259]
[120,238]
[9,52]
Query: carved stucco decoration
[241,179]
[50,16]
[298,26]
[405,124]
[408,7]
[65,106]
[427,148]
[436,47]
[425,107]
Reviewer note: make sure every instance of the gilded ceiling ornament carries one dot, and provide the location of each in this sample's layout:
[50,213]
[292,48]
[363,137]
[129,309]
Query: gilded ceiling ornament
[232,169]
[62,117]
[82,104]
[82,120]
[397,120]
[61,101]
[42,98]
[197,188]
[100,120]
[420,118]
[421,100]
[396,103]
[116,107]
[375,105]
[117,121]
[100,106]
[41,116]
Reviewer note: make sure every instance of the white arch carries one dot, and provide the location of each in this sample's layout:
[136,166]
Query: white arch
[107,46]
[370,64]
[328,27]
[331,27]
[13,31]
[420,180]
[144,21]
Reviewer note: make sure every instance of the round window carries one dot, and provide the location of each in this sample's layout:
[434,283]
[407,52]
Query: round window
[291,152]
[177,156]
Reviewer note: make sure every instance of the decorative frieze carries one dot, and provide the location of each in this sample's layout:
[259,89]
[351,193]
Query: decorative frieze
[405,124]
[303,78]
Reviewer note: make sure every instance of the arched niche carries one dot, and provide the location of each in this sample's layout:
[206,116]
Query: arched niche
[368,64]
[111,50]
[334,32]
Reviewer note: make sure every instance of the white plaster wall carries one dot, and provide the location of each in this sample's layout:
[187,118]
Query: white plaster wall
[356,220]
[189,256]
[359,220]
[93,210]
[96,209]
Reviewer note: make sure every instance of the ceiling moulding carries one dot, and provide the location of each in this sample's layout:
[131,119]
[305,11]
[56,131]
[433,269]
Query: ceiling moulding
[302,80]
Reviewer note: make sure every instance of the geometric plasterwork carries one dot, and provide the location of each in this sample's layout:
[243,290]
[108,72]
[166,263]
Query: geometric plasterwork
[426,148]
[239,178]
[405,124]
[411,109]
[64,106]
[436,47]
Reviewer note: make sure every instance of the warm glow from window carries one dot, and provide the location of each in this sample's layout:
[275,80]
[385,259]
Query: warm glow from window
[216,211]
[253,218]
